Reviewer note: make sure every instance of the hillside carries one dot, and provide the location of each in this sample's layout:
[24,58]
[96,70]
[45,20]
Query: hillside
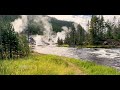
[38,27]
[9,18]
[58,24]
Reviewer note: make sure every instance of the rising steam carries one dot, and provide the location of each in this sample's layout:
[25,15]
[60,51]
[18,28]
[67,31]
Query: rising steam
[20,24]
[49,37]
[63,33]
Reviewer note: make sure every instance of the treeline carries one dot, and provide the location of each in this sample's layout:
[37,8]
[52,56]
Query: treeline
[98,32]
[12,44]
[74,37]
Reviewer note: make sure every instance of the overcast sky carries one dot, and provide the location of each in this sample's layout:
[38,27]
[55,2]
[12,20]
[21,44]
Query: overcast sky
[82,19]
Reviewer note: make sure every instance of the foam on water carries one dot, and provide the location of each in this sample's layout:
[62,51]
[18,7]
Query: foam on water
[107,53]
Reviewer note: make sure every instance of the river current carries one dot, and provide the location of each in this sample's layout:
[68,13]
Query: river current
[108,57]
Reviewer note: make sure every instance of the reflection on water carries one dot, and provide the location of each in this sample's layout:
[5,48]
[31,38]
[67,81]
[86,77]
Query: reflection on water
[109,57]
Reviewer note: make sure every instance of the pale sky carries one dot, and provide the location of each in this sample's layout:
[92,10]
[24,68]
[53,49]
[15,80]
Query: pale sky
[82,19]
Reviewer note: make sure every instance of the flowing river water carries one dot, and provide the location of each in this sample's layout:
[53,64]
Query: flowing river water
[108,57]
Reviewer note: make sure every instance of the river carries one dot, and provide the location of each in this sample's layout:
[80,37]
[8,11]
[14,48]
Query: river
[108,57]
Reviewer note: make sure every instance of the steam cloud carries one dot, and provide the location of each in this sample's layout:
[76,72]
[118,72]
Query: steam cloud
[63,33]
[20,24]
[48,36]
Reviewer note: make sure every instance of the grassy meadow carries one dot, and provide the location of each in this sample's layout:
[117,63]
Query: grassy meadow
[40,64]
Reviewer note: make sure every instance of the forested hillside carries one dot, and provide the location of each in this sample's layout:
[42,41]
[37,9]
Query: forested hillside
[9,18]
[38,28]
[58,24]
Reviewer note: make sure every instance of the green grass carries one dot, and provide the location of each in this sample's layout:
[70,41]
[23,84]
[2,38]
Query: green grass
[64,45]
[97,46]
[38,64]
[91,46]
[91,68]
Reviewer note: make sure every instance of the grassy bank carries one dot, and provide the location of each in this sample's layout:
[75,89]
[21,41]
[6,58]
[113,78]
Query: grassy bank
[91,46]
[38,64]
[64,45]
[97,46]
